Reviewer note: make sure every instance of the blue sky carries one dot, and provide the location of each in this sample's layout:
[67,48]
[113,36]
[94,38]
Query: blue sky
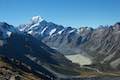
[75,13]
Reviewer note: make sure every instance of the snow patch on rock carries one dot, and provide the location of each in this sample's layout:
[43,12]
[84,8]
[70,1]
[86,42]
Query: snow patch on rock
[52,31]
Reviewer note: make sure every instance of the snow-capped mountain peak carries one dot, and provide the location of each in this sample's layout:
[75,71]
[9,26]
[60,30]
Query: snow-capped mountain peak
[36,19]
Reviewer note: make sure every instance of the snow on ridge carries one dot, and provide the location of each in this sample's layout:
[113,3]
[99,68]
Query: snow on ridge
[6,32]
[37,24]
[72,31]
[9,33]
[22,29]
[60,31]
[52,31]
[43,30]
[30,32]
[37,19]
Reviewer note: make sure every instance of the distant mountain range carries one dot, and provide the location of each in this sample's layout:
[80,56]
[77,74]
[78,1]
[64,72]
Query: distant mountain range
[100,45]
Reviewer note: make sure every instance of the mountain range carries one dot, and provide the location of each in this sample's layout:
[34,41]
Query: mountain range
[98,45]
[23,49]
[42,50]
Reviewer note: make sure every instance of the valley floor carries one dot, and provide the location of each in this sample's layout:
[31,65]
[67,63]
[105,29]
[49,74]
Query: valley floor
[80,59]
